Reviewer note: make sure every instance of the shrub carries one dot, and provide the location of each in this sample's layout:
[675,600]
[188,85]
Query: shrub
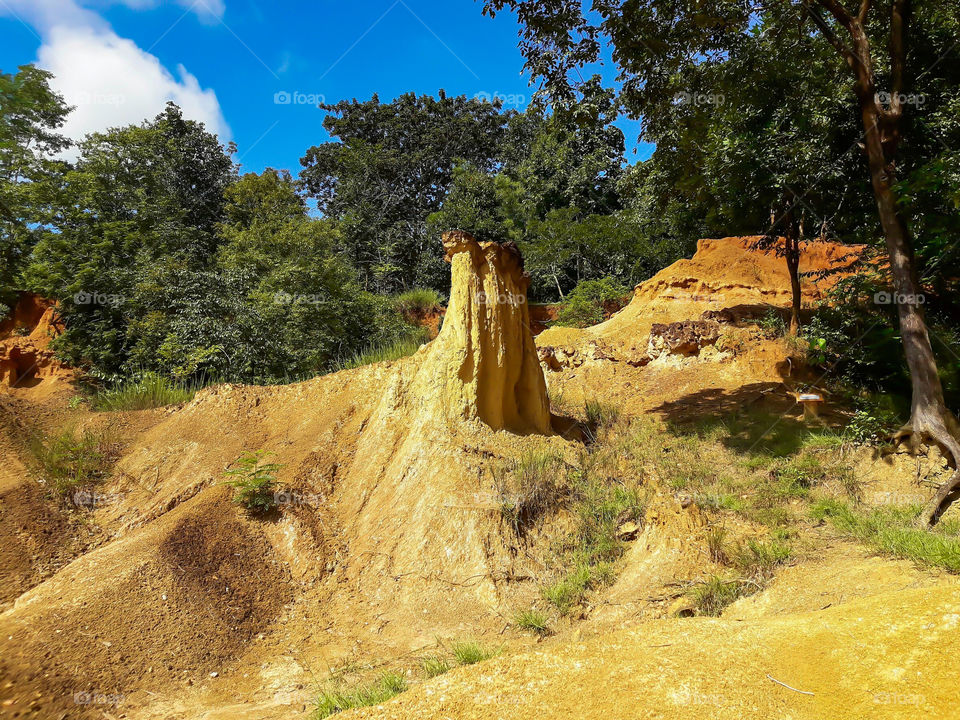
[70,460]
[773,323]
[254,481]
[418,301]
[335,700]
[584,306]
[468,652]
[533,621]
[873,422]
[148,391]
[433,665]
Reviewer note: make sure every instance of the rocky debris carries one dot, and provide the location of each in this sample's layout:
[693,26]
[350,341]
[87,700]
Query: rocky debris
[687,337]
[723,317]
[628,531]
[483,364]
[558,358]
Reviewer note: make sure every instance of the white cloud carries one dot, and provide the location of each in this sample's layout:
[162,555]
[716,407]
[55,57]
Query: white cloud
[108,79]
[207,10]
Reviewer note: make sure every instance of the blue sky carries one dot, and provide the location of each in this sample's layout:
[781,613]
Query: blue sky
[228,62]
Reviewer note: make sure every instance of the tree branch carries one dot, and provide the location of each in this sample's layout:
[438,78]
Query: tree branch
[899,12]
[828,32]
[838,12]
[864,11]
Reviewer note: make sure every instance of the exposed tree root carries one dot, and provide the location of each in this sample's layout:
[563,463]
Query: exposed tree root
[918,431]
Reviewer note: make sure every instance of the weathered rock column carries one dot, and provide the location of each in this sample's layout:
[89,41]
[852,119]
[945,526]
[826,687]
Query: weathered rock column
[483,364]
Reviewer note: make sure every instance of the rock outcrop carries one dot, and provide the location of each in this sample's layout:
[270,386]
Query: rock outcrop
[25,335]
[483,364]
[687,337]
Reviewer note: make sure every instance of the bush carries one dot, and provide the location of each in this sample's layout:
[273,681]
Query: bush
[773,323]
[70,460]
[584,306]
[533,621]
[148,391]
[255,481]
[335,700]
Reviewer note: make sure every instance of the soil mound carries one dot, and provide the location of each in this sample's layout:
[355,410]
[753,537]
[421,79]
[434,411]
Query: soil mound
[724,274]
[690,331]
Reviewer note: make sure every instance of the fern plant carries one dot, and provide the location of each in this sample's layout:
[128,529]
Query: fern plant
[255,481]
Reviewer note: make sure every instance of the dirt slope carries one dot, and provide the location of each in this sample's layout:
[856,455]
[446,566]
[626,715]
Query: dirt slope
[387,532]
[889,656]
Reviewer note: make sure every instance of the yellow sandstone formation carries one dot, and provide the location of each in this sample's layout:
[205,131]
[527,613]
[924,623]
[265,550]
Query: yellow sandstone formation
[484,365]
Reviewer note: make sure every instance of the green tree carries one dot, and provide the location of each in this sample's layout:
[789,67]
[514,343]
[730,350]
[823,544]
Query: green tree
[131,261]
[473,204]
[30,114]
[388,168]
[306,300]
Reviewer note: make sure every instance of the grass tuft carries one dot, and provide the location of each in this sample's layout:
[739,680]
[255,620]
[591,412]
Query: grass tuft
[418,301]
[337,699]
[893,531]
[71,460]
[148,391]
[433,665]
[532,620]
[404,347]
[469,652]
[714,594]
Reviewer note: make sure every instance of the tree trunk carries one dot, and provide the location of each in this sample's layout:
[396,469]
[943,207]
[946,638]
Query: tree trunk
[929,416]
[792,250]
